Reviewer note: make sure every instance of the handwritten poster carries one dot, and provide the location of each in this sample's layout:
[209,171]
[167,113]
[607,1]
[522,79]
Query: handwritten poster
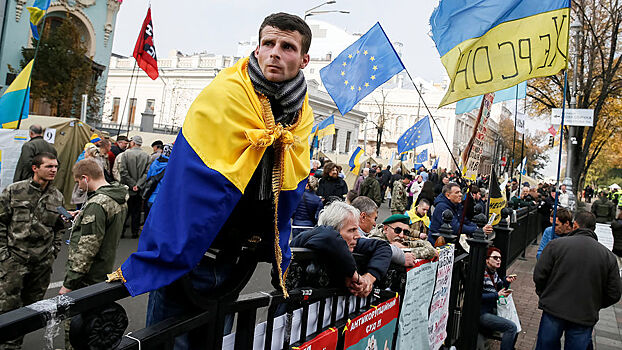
[439,309]
[373,329]
[413,325]
[11,142]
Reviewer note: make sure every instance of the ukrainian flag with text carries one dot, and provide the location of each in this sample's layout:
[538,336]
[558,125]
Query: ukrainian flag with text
[366,64]
[491,45]
[16,98]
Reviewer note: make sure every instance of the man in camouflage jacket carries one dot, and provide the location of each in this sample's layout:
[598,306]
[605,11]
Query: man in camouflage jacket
[399,196]
[30,237]
[96,230]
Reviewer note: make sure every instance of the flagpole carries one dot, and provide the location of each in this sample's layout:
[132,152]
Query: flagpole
[432,117]
[127,96]
[559,157]
[27,95]
[522,166]
[129,120]
[514,141]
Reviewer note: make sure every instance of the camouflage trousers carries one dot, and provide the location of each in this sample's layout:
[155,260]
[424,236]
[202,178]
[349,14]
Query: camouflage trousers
[21,284]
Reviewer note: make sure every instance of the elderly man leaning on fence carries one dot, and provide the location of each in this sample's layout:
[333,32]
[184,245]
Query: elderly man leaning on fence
[336,238]
[405,248]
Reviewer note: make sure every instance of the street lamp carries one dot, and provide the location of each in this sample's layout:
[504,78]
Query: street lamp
[323,12]
[310,12]
[575,28]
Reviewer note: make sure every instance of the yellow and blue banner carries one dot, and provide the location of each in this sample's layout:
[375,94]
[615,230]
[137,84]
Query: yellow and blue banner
[491,45]
[496,197]
[16,98]
[223,139]
[417,135]
[37,12]
[366,64]
[355,161]
[512,93]
[435,166]
[324,128]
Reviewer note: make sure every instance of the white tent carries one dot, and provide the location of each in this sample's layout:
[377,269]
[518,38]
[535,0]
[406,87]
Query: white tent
[614,187]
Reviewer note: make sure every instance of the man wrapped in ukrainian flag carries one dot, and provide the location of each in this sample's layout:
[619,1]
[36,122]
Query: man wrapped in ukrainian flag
[236,175]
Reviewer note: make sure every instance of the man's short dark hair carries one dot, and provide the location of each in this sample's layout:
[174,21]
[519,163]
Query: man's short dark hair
[424,201]
[121,138]
[287,22]
[585,219]
[447,188]
[38,159]
[36,129]
[564,215]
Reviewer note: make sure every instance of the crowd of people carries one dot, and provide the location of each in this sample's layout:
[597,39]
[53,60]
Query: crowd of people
[111,180]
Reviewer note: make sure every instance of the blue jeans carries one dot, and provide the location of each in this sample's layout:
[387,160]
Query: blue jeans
[167,302]
[550,332]
[491,322]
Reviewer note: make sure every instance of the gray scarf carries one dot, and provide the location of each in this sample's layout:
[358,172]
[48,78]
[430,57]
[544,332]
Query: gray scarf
[288,95]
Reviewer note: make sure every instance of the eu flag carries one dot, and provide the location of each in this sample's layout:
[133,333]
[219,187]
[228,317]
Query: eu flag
[417,135]
[423,156]
[435,166]
[366,64]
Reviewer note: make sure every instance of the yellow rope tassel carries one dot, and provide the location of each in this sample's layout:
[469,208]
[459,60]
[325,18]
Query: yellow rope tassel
[116,276]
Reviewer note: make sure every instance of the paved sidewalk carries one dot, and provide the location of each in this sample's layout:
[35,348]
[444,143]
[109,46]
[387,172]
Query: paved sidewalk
[607,332]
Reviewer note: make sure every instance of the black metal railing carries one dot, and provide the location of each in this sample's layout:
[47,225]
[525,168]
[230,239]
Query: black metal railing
[308,285]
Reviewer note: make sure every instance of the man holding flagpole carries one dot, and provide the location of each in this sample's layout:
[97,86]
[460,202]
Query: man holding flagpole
[240,166]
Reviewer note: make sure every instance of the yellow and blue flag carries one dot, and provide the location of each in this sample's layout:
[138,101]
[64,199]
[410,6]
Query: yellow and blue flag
[496,198]
[355,161]
[324,128]
[512,93]
[223,139]
[366,64]
[16,98]
[488,46]
[37,12]
[422,157]
[417,135]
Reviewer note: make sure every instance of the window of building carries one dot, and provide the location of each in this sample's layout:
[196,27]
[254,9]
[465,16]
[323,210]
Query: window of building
[132,110]
[348,135]
[334,148]
[116,102]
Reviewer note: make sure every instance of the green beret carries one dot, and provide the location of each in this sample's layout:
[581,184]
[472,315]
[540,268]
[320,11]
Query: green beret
[397,218]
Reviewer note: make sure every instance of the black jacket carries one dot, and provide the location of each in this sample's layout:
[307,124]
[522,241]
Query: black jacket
[616,230]
[308,210]
[332,187]
[335,253]
[575,277]
[36,145]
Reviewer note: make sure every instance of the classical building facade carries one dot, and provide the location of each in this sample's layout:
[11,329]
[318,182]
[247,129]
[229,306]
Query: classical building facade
[182,79]
[395,106]
[95,20]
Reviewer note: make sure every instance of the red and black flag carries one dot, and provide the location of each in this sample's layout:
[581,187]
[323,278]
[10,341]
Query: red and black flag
[144,51]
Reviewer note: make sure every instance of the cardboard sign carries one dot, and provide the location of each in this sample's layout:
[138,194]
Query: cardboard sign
[475,148]
[439,310]
[326,340]
[374,328]
[413,326]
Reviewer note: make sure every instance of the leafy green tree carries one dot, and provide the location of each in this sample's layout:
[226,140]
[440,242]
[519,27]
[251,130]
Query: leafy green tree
[62,72]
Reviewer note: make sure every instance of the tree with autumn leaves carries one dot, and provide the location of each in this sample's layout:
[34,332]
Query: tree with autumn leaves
[534,150]
[599,87]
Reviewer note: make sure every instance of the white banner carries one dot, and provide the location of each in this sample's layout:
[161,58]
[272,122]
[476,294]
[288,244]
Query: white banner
[573,117]
[475,148]
[11,142]
[439,310]
[413,327]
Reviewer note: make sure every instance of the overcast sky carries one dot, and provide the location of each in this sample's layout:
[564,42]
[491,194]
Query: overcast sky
[216,26]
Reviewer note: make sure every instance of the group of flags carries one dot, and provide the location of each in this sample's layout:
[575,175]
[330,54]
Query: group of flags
[15,101]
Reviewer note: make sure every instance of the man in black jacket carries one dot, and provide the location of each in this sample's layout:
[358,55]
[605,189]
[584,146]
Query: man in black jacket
[336,238]
[575,277]
[36,145]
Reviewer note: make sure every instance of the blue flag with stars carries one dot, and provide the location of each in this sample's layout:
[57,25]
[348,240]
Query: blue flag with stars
[417,135]
[366,64]
[423,156]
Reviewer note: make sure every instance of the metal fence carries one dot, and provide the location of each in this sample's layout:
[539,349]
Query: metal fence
[207,323]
